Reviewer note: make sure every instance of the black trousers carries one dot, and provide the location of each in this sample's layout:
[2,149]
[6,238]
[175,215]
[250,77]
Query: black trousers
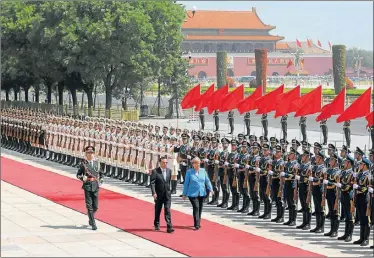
[211,174]
[288,187]
[274,192]
[252,191]
[284,130]
[372,138]
[92,202]
[231,123]
[243,191]
[197,206]
[224,187]
[303,194]
[263,186]
[183,170]
[216,122]
[303,132]
[324,133]
[202,122]
[317,198]
[159,202]
[248,126]
[347,134]
[346,204]
[265,126]
[361,206]
[331,197]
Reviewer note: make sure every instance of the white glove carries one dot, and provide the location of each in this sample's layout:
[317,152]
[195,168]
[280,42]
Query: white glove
[355,186]
[370,189]
[257,169]
[270,172]
[236,165]
[206,160]
[311,179]
[369,177]
[282,174]
[338,185]
[354,175]
[297,177]
[226,163]
[246,166]
[325,181]
[216,162]
[184,164]
[84,178]
[188,157]
[140,149]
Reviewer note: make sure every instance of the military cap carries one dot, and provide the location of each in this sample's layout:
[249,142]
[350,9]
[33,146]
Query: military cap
[144,131]
[252,138]
[225,140]
[245,144]
[234,142]
[256,145]
[138,129]
[305,144]
[265,146]
[119,127]
[157,126]
[217,135]
[334,155]
[165,127]
[240,135]
[158,137]
[283,141]
[294,141]
[206,138]
[331,146]
[89,149]
[196,137]
[350,158]
[306,152]
[274,139]
[317,145]
[214,139]
[185,136]
[366,161]
[278,148]
[345,148]
[292,151]
[107,126]
[321,154]
[264,139]
[359,151]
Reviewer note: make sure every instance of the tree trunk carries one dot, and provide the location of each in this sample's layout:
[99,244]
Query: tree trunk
[159,97]
[95,93]
[75,101]
[49,92]
[90,101]
[37,94]
[82,102]
[108,100]
[60,88]
[16,95]
[26,94]
[169,115]
[7,95]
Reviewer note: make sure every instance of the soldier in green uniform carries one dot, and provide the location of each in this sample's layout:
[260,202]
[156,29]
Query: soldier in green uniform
[264,122]
[230,117]
[216,119]
[347,132]
[264,181]
[284,126]
[254,178]
[247,121]
[202,119]
[231,170]
[223,172]
[323,126]
[242,167]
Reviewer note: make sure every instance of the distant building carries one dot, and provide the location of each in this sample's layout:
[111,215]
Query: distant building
[239,33]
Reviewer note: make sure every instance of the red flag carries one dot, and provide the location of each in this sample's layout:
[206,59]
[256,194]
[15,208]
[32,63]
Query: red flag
[359,108]
[298,43]
[319,43]
[370,119]
[267,103]
[330,45]
[231,100]
[284,102]
[290,63]
[202,102]
[248,103]
[309,43]
[191,97]
[336,107]
[309,103]
[216,98]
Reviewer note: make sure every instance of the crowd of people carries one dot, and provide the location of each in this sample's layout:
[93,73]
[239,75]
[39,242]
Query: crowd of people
[337,185]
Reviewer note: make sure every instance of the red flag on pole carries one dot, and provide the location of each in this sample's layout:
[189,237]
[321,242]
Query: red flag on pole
[267,103]
[202,102]
[309,103]
[284,102]
[330,45]
[248,103]
[232,99]
[319,43]
[309,43]
[298,43]
[191,97]
[216,98]
[370,119]
[359,108]
[336,107]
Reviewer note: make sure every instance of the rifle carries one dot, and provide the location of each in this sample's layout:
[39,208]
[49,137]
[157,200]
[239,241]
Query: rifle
[135,163]
[215,169]
[150,164]
[268,186]
[353,201]
[310,187]
[225,171]
[142,163]
[129,156]
[295,191]
[257,185]
[117,149]
[337,192]
[368,208]
[281,188]
[323,202]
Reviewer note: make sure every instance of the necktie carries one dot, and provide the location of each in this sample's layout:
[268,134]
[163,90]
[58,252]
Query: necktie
[164,173]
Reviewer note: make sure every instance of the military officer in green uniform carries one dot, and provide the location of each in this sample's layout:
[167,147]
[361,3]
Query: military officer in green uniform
[230,117]
[323,125]
[347,132]
[216,119]
[264,122]
[284,126]
[247,121]
[202,119]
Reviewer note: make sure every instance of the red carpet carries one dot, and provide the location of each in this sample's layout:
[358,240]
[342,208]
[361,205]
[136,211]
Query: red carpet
[136,217]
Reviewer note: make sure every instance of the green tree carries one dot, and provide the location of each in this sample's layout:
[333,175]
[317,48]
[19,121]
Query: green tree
[352,53]
[339,67]
[221,69]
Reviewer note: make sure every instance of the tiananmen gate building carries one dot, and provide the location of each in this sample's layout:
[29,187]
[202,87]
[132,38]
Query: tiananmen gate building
[239,33]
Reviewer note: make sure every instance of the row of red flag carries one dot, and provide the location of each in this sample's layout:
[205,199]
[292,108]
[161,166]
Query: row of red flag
[279,101]
[310,43]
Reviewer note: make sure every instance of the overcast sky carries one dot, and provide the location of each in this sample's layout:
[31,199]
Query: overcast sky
[347,23]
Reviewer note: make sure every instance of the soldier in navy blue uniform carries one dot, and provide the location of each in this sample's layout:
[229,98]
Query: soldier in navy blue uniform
[230,117]
[302,177]
[212,157]
[318,172]
[233,156]
[276,167]
[223,173]
[264,122]
[332,194]
[343,155]
[371,190]
[296,144]
[254,178]
[331,149]
[345,185]
[263,166]
[89,174]
[347,132]
[361,190]
[359,154]
[284,126]
[202,119]
[290,169]
[242,168]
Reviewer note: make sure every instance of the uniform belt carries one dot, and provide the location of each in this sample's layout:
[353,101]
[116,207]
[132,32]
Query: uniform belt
[91,179]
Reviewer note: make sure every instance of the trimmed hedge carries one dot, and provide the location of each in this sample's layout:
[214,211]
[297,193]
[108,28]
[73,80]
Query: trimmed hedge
[339,67]
[221,69]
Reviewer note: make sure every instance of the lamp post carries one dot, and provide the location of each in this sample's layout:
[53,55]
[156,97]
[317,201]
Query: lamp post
[297,60]
[358,66]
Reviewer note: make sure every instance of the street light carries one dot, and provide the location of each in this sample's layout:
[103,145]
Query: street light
[358,66]
[297,59]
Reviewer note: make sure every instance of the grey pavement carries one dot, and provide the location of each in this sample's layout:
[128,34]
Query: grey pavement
[288,235]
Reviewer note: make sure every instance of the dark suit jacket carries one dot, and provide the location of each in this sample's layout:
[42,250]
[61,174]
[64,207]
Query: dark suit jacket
[91,186]
[158,184]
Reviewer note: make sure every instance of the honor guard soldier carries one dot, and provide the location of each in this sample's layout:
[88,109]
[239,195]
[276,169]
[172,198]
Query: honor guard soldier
[223,173]
[371,186]
[242,173]
[274,170]
[347,132]
[290,186]
[157,130]
[254,178]
[332,194]
[89,174]
[231,168]
[323,126]
[359,154]
[296,144]
[183,153]
[230,117]
[317,147]
[202,119]
[360,188]
[304,192]
[216,119]
[345,185]
[302,124]
[213,163]
[264,181]
[247,121]
[284,126]
[264,122]
[316,178]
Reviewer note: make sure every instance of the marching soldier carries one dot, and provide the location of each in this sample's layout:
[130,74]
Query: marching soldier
[254,178]
[242,173]
[212,159]
[264,122]
[247,121]
[216,119]
[323,126]
[222,172]
[284,126]
[233,181]
[347,132]
[265,181]
[202,118]
[230,117]
[89,174]
[304,190]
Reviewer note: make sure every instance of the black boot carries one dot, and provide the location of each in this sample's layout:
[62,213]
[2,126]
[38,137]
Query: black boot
[265,209]
[247,202]
[268,210]
[281,216]
[290,217]
[343,237]
[243,205]
[142,180]
[137,178]
[365,241]
[294,215]
[304,221]
[174,184]
[237,198]
[257,208]
[336,228]
[278,214]
[308,220]
[225,200]
[318,223]
[131,176]
[349,232]
[332,227]
[322,223]
[92,221]
[362,232]
[125,174]
[215,198]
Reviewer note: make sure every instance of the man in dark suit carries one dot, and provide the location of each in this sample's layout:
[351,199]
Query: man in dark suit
[161,191]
